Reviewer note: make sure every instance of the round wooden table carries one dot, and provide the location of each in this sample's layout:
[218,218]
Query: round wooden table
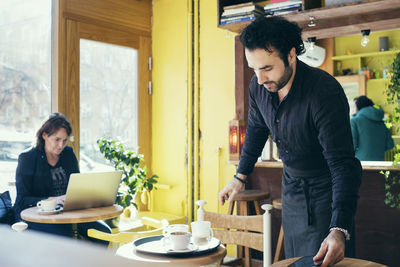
[72,216]
[128,251]
[346,262]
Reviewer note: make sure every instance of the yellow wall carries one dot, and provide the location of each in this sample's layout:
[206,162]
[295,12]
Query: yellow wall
[217,104]
[171,51]
[169,48]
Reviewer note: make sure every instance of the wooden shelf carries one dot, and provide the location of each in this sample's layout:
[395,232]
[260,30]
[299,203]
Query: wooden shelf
[342,20]
[363,55]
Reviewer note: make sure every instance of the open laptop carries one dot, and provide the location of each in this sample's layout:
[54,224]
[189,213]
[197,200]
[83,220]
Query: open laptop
[92,190]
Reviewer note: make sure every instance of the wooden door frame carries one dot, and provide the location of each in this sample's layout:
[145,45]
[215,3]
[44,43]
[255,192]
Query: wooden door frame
[68,29]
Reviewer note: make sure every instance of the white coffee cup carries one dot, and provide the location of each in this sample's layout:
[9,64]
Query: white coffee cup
[201,232]
[177,240]
[47,204]
[176,228]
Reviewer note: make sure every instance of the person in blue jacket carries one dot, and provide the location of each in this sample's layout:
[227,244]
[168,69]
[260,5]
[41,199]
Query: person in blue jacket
[43,172]
[371,138]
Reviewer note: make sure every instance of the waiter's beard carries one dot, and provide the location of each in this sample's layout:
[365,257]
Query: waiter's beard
[274,87]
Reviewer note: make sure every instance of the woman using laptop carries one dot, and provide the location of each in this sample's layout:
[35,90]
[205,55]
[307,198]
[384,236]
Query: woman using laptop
[43,172]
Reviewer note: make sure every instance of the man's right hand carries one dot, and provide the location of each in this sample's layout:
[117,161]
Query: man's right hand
[230,190]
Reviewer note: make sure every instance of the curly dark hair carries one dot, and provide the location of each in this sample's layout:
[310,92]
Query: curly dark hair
[55,122]
[273,33]
[363,102]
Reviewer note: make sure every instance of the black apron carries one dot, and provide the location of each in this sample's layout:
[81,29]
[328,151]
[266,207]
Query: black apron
[307,212]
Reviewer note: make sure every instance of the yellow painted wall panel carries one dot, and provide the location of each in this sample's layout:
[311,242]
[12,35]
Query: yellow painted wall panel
[217,107]
[170,67]
[217,103]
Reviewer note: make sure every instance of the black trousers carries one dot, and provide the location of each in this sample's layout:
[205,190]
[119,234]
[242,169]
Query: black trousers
[307,212]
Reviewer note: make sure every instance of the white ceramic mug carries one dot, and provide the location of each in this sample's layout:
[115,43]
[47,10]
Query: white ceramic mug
[47,204]
[201,232]
[177,240]
[175,228]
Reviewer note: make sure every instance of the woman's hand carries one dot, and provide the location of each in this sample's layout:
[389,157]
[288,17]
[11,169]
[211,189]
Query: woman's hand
[230,190]
[332,248]
[60,199]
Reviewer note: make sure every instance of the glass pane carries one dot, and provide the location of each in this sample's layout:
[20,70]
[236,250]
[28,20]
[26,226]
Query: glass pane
[108,99]
[25,79]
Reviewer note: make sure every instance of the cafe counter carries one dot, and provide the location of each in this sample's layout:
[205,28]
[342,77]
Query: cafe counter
[377,225]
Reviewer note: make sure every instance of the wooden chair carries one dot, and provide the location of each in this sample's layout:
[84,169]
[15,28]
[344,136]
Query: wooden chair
[249,231]
[118,239]
[243,200]
[279,252]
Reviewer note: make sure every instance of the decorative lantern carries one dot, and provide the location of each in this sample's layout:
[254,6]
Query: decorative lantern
[236,138]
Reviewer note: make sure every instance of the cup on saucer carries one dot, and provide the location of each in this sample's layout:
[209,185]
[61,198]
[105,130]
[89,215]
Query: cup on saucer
[175,228]
[47,205]
[177,240]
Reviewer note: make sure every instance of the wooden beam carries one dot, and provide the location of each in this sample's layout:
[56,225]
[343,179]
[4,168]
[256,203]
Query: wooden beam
[348,19]
[348,25]
[243,76]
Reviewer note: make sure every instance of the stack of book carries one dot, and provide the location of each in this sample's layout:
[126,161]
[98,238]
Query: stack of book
[279,7]
[241,12]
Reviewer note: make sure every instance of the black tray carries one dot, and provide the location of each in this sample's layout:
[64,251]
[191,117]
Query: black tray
[154,245]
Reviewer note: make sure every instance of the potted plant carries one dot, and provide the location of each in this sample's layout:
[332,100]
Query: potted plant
[135,181]
[392,182]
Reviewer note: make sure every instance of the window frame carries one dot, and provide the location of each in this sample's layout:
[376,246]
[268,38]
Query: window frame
[93,20]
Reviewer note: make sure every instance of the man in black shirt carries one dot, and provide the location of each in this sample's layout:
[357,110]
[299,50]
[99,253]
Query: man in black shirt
[307,114]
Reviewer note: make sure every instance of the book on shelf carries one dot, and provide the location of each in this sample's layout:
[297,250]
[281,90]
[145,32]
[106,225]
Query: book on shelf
[299,5]
[237,19]
[256,13]
[241,8]
[283,4]
[283,10]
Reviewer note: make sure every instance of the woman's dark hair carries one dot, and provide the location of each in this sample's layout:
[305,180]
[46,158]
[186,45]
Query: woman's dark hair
[273,33]
[362,102]
[55,122]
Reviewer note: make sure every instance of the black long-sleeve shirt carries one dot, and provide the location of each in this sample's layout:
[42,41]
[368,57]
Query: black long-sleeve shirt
[311,127]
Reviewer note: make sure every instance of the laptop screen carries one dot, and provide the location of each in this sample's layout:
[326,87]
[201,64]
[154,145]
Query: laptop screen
[92,190]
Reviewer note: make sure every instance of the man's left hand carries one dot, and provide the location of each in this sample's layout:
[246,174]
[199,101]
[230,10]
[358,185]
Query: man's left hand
[332,248]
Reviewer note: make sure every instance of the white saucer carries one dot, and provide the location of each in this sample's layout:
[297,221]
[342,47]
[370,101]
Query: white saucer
[191,248]
[50,212]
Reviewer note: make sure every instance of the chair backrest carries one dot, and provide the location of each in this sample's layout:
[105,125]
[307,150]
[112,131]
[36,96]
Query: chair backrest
[232,229]
[118,239]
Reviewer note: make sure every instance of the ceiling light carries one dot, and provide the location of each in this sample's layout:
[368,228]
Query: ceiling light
[365,39]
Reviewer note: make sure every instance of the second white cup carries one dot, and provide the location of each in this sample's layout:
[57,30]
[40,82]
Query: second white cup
[201,232]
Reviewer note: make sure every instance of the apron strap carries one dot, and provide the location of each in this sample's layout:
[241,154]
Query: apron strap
[306,190]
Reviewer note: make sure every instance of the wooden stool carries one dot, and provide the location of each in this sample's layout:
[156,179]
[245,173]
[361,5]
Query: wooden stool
[277,204]
[243,198]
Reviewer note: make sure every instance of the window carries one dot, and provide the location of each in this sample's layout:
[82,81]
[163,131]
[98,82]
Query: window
[25,63]
[115,97]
